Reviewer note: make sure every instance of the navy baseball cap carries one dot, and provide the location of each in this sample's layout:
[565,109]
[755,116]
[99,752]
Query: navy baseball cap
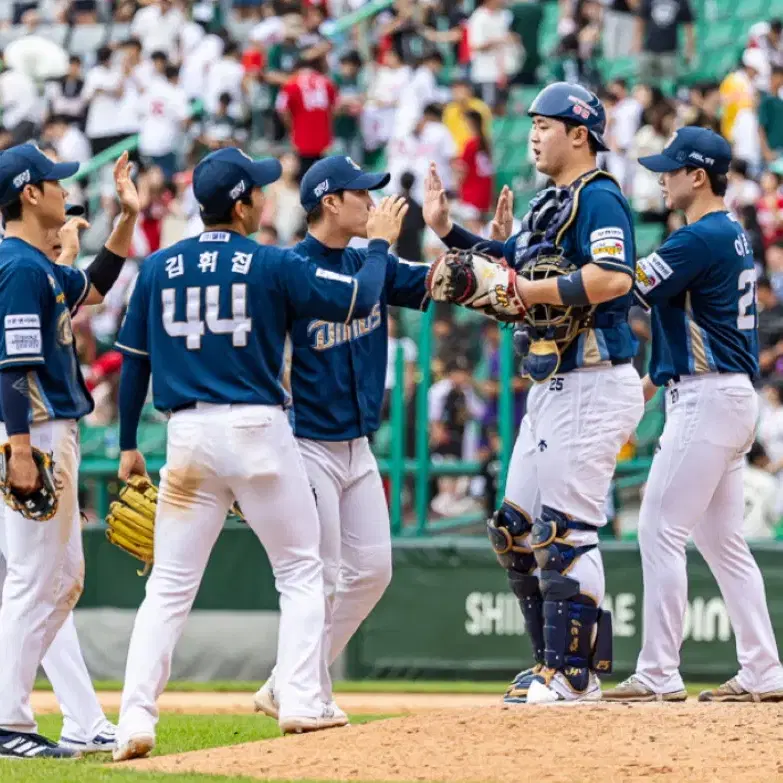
[24,165]
[699,148]
[223,177]
[338,172]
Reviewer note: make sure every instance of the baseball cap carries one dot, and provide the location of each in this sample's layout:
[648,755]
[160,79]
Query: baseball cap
[223,177]
[338,172]
[24,165]
[692,146]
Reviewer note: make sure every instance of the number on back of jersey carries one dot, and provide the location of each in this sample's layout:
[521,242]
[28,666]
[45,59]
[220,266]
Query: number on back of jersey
[746,319]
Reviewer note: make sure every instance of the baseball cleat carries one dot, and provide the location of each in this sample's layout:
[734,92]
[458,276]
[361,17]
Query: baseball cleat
[558,689]
[733,691]
[23,745]
[633,689]
[138,746]
[103,742]
[331,717]
[516,693]
[266,702]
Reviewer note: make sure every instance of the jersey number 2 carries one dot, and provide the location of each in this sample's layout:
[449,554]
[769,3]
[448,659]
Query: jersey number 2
[192,328]
[747,284]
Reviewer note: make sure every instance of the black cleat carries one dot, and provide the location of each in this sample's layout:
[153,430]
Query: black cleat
[21,745]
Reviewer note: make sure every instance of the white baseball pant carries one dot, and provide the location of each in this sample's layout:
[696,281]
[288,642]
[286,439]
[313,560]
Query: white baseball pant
[695,489]
[566,451]
[44,579]
[64,665]
[216,453]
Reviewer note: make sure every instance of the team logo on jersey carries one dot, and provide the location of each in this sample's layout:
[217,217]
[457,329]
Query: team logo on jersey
[651,272]
[324,335]
[64,330]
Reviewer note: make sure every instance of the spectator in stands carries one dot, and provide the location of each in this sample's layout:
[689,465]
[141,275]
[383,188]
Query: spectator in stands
[618,32]
[64,96]
[445,23]
[306,103]
[104,88]
[283,57]
[656,38]
[738,89]
[770,117]
[741,191]
[157,25]
[569,65]
[220,129]
[624,120]
[283,206]
[384,95]
[78,12]
[769,209]
[455,113]
[227,76]
[474,168]
[398,29]
[165,114]
[772,43]
[409,243]
[68,140]
[19,103]
[495,52]
[770,326]
[761,495]
[312,43]
[421,91]
[351,90]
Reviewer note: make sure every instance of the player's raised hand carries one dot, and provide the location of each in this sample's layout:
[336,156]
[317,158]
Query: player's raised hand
[436,203]
[123,183]
[131,464]
[69,240]
[386,217]
[503,222]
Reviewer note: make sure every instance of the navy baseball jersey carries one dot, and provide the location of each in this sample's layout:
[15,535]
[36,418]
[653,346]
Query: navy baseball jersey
[601,232]
[701,286]
[338,369]
[37,299]
[211,313]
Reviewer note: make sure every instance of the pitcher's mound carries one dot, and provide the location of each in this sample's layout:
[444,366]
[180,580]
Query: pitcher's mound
[599,743]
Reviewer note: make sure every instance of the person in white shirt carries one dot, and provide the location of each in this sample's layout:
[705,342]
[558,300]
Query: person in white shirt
[158,26]
[104,88]
[430,142]
[164,112]
[20,104]
[67,139]
[495,52]
[625,118]
[226,76]
[761,494]
[421,90]
[386,86]
[741,191]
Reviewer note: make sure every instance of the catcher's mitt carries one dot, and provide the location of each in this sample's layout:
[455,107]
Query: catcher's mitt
[131,519]
[476,281]
[40,504]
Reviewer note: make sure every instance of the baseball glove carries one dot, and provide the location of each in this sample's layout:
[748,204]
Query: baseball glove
[39,505]
[131,519]
[476,281]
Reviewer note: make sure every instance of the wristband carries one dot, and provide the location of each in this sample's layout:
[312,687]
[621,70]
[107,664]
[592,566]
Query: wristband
[571,288]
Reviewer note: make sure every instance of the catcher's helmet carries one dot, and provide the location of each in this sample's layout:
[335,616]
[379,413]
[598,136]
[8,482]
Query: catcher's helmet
[572,102]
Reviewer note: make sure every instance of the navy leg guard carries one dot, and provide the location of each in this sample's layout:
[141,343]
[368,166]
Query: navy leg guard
[569,616]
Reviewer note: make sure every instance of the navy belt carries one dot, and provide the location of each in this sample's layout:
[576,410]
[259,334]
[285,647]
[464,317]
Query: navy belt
[187,406]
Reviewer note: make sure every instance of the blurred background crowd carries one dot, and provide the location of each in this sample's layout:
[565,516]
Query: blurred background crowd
[397,84]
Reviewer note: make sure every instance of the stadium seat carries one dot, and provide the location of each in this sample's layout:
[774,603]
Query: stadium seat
[119,32]
[752,10]
[648,238]
[719,35]
[86,38]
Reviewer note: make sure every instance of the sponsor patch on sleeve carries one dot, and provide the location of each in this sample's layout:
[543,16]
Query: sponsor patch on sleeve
[23,341]
[606,233]
[327,274]
[651,272]
[608,249]
[31,321]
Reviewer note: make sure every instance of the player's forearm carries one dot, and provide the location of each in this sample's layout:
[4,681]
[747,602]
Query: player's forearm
[589,285]
[15,401]
[134,381]
[462,239]
[121,237]
[370,280]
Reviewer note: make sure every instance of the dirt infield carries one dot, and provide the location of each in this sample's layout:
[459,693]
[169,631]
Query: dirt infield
[599,743]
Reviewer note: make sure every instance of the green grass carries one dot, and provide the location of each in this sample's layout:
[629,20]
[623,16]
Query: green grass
[175,734]
[351,686]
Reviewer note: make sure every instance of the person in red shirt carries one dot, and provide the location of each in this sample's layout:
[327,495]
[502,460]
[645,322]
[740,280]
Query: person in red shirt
[769,209]
[475,166]
[306,103]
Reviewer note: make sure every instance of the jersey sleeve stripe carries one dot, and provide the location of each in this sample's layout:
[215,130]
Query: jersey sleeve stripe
[612,266]
[83,294]
[23,360]
[353,301]
[127,348]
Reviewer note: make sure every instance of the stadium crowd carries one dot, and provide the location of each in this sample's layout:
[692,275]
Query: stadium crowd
[410,84]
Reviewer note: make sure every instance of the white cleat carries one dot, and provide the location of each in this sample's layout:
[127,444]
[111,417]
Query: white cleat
[331,717]
[265,701]
[138,746]
[104,741]
[559,690]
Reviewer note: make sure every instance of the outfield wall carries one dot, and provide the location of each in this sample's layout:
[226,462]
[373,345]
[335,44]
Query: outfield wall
[447,614]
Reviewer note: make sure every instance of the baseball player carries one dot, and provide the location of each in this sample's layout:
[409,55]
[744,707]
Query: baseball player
[585,405]
[337,382]
[208,319]
[42,397]
[701,287]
